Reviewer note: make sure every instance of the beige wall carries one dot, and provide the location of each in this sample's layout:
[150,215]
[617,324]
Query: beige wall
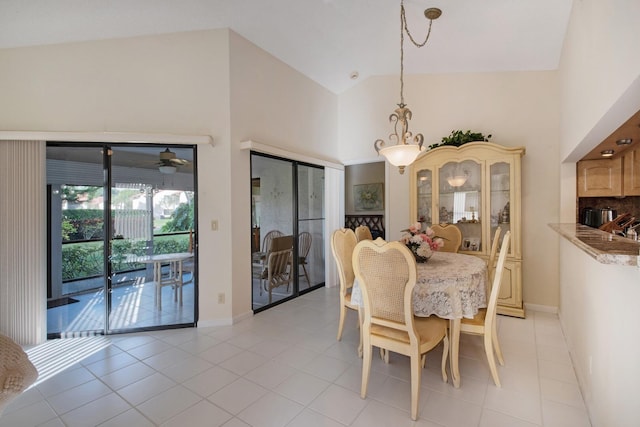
[202,83]
[174,83]
[600,80]
[518,109]
[599,320]
[273,104]
[171,84]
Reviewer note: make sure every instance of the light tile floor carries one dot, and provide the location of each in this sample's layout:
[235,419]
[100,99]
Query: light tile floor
[284,367]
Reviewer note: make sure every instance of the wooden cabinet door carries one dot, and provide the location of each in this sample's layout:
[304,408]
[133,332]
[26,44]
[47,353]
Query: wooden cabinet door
[510,296]
[632,172]
[600,178]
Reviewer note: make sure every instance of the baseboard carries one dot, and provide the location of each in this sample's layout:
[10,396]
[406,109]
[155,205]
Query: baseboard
[541,308]
[241,317]
[215,322]
[225,321]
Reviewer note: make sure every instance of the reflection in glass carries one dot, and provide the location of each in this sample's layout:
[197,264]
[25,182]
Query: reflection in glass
[424,196]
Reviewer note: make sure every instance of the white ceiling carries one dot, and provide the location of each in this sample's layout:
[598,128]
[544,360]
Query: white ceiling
[326,40]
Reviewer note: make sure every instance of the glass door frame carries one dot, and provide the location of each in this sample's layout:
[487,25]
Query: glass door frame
[108,229]
[297,291]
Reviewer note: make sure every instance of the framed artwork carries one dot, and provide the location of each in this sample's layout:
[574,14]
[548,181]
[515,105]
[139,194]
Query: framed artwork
[368,197]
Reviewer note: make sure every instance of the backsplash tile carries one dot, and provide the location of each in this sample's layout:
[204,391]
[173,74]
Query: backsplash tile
[630,204]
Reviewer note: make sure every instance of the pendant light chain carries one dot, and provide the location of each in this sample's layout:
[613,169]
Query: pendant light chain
[404,27]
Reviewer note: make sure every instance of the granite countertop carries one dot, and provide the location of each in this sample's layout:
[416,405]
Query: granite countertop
[605,248]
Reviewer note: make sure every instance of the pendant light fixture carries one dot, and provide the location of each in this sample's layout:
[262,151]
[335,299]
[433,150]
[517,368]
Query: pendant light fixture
[403,152]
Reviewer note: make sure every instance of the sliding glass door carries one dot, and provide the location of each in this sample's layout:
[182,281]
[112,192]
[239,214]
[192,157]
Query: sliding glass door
[152,252]
[122,238]
[310,226]
[76,296]
[272,212]
[287,234]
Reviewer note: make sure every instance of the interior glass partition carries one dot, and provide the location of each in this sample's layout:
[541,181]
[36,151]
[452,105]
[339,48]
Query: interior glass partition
[287,211]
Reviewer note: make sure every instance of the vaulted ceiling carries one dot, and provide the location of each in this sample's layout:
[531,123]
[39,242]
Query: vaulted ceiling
[326,40]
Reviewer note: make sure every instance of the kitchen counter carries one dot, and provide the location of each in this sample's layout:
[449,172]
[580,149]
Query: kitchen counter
[605,248]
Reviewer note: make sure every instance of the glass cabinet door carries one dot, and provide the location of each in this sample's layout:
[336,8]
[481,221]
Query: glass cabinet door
[500,197]
[424,197]
[460,201]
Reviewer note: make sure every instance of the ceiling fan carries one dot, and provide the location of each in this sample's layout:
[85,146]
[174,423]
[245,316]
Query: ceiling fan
[168,162]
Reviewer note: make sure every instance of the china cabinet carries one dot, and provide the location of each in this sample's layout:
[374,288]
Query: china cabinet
[476,187]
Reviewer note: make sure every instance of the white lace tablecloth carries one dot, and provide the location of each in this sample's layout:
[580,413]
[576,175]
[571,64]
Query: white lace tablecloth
[449,285]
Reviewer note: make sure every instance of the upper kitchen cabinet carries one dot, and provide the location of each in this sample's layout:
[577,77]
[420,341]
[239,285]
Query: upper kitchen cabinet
[476,187]
[610,177]
[618,175]
[631,185]
[600,178]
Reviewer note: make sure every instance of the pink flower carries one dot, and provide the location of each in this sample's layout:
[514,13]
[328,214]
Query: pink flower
[421,242]
[436,244]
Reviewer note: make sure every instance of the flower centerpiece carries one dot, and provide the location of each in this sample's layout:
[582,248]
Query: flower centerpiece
[422,243]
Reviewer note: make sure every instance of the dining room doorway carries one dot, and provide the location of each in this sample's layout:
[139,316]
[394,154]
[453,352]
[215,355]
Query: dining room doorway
[122,240]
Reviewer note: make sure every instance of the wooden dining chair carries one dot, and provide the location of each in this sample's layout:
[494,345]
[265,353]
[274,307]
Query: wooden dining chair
[491,262]
[386,273]
[304,246]
[451,235]
[363,233]
[484,323]
[343,241]
[259,265]
[279,264]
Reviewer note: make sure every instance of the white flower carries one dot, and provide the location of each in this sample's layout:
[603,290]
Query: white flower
[424,251]
[416,239]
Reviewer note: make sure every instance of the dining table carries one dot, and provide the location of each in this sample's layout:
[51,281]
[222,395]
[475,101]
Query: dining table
[451,286]
[173,277]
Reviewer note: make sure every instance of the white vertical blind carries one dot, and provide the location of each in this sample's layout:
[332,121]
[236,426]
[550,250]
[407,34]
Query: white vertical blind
[334,219]
[23,241]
